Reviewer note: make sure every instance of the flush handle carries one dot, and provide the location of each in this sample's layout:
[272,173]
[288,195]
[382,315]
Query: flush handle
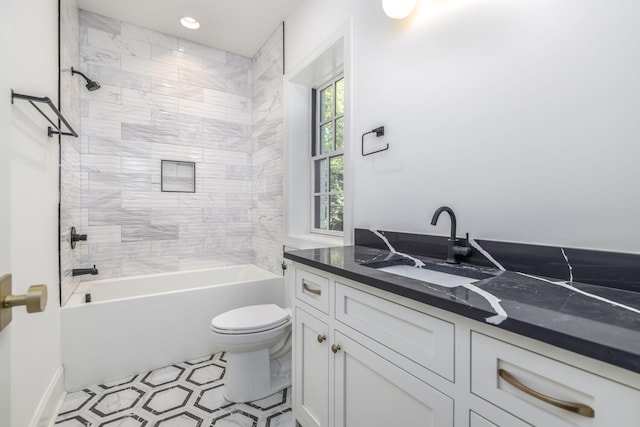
[35,300]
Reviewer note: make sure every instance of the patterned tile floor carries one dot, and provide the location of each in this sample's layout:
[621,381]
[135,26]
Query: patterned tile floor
[187,394]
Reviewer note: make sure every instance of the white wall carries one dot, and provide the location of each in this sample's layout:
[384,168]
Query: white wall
[33,64]
[521,116]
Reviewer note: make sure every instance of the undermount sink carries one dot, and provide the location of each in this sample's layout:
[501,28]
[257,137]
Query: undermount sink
[430,276]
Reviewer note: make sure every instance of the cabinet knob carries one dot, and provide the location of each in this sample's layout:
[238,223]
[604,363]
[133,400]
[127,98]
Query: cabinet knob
[335,348]
[321,338]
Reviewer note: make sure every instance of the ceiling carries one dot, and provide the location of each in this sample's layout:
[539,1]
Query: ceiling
[238,26]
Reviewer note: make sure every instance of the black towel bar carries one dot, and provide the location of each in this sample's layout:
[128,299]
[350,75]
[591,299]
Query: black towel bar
[46,100]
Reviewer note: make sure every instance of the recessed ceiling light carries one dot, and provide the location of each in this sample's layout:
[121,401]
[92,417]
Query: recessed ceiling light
[190,23]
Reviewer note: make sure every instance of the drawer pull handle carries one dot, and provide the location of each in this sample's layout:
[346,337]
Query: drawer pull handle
[306,287]
[335,348]
[321,338]
[578,408]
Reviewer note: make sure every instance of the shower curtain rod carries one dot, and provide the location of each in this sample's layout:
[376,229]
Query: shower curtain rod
[47,100]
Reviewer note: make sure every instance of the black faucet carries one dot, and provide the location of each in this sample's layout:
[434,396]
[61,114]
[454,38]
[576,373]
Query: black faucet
[453,251]
[75,237]
[81,271]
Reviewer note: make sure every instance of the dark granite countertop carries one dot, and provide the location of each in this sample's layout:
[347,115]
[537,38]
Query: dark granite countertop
[599,322]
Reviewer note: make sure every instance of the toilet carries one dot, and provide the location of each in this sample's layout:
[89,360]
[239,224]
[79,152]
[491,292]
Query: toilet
[257,342]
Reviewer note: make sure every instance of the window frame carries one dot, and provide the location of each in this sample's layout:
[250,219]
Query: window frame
[315,151]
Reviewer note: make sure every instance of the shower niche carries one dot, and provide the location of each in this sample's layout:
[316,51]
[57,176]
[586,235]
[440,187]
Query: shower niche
[178,177]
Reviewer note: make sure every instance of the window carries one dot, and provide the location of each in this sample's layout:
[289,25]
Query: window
[327,158]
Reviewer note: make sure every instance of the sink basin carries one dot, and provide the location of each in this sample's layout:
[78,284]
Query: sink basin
[430,276]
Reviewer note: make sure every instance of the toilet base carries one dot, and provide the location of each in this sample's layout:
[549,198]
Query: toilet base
[252,375]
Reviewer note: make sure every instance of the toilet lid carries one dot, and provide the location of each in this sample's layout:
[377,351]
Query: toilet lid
[254,318]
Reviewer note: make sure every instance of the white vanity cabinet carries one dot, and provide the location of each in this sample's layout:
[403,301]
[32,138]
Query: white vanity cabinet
[476,420]
[365,357]
[346,378]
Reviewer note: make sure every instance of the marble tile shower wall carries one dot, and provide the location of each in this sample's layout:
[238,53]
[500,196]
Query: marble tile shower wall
[70,185]
[163,98]
[268,122]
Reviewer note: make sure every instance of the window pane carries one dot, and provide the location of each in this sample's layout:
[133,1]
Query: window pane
[336,211]
[340,134]
[321,175]
[336,175]
[326,103]
[340,97]
[321,212]
[326,138]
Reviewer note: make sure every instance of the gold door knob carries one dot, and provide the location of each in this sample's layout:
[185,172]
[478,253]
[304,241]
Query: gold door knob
[335,348]
[321,338]
[35,300]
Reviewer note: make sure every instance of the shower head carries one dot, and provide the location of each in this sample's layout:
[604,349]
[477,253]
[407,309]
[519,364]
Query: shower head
[91,85]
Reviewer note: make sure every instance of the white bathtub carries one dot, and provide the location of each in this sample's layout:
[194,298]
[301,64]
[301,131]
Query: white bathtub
[136,324]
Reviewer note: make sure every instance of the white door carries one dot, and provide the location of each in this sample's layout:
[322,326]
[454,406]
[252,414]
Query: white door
[30,361]
[5,335]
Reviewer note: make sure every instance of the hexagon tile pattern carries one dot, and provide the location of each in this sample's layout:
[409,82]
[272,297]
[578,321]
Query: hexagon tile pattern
[187,394]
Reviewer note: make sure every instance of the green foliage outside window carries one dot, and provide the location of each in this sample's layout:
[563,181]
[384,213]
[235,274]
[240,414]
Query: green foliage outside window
[329,179]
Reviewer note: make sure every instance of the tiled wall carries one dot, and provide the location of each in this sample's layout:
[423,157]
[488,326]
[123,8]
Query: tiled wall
[267,136]
[70,187]
[163,98]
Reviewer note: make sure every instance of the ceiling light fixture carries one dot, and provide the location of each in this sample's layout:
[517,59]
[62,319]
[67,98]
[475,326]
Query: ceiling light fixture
[190,23]
[398,9]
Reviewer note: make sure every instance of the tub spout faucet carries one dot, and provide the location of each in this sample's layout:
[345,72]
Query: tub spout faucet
[81,271]
[453,251]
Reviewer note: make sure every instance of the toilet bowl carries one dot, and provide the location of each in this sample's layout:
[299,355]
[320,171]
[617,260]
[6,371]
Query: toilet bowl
[257,342]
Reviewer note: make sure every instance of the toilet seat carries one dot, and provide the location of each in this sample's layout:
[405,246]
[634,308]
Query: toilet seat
[251,319]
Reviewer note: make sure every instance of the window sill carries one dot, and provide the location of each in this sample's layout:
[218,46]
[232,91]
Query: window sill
[312,241]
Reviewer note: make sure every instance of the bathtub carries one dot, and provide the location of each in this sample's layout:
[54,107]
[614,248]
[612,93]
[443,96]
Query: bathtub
[136,324]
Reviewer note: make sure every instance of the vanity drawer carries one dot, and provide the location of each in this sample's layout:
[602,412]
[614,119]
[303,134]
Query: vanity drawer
[312,289]
[501,371]
[423,339]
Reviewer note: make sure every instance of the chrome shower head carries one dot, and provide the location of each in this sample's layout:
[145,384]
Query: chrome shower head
[91,85]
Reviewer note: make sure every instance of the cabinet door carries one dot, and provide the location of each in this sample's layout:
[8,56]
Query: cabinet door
[371,391]
[476,420]
[490,416]
[311,384]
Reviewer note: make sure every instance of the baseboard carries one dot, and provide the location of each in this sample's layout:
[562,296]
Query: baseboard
[45,415]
